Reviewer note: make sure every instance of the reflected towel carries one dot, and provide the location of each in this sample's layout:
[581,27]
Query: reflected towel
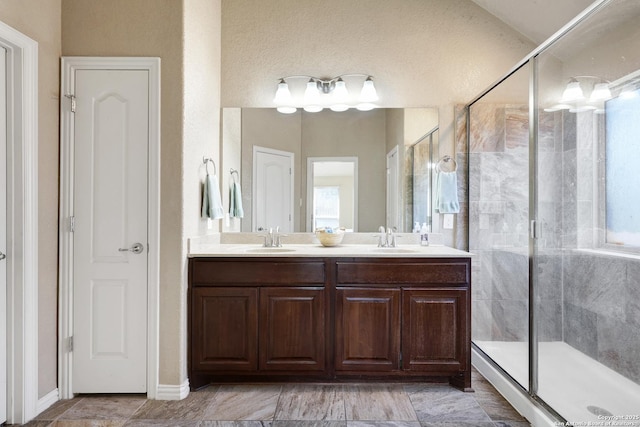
[235,201]
[211,201]
[447,192]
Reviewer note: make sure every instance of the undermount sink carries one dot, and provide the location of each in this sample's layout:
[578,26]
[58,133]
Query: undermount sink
[269,250]
[394,250]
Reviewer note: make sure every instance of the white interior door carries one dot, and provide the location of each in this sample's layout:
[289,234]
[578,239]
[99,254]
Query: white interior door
[3,235]
[393,190]
[272,189]
[110,231]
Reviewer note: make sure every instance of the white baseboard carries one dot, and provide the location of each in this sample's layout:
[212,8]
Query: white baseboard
[173,392]
[534,413]
[47,400]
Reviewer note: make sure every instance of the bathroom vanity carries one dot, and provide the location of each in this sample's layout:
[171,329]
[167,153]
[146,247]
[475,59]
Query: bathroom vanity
[352,312]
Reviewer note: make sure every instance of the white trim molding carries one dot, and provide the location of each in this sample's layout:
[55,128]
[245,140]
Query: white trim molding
[173,392]
[65,326]
[22,224]
[527,407]
[47,401]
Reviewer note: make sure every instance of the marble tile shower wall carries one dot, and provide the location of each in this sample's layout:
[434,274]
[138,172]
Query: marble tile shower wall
[588,300]
[601,308]
[498,219]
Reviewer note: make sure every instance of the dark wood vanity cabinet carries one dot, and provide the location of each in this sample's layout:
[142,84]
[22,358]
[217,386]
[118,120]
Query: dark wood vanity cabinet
[252,317]
[367,329]
[292,329]
[434,336]
[330,318]
[217,312]
[404,317]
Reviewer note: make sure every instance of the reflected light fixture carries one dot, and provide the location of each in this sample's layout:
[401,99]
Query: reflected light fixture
[601,92]
[573,92]
[327,93]
[573,96]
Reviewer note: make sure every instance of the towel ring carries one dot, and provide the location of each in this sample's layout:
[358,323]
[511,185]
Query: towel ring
[206,161]
[233,171]
[446,160]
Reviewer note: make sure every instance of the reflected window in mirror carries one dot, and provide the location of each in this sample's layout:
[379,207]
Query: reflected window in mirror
[333,183]
[326,207]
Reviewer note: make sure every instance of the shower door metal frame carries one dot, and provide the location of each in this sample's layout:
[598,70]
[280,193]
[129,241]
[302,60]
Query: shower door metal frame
[534,227]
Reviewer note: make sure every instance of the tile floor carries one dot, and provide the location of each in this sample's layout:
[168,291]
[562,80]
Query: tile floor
[296,405]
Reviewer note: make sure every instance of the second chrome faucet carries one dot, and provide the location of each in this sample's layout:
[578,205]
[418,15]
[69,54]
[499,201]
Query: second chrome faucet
[386,239]
[272,238]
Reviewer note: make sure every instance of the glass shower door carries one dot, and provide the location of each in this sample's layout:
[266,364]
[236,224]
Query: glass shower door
[499,223]
[588,276]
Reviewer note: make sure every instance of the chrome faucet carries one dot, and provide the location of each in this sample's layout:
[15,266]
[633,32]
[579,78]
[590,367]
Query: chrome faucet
[391,238]
[275,238]
[272,238]
[386,239]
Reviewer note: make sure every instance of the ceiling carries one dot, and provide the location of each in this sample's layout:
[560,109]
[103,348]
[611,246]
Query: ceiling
[535,19]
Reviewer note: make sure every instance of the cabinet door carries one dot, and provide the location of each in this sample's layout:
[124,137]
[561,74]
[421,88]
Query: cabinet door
[434,331]
[224,329]
[292,329]
[367,329]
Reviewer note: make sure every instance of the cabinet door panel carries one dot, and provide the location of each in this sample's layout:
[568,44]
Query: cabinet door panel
[224,330]
[433,330]
[367,329]
[292,329]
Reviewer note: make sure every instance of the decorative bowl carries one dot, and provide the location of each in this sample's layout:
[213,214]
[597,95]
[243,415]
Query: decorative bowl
[330,237]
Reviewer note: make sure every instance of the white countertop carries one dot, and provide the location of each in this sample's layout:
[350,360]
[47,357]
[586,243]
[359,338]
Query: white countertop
[319,251]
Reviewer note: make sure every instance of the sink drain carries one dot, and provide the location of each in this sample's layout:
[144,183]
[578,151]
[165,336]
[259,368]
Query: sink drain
[596,410]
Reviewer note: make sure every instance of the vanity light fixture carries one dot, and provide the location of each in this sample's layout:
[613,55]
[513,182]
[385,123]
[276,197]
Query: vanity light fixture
[326,93]
[283,98]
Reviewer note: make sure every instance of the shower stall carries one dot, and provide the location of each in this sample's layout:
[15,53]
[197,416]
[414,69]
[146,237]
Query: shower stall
[553,169]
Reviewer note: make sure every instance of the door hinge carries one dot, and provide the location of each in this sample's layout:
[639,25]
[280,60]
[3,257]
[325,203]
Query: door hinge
[72,224]
[73,102]
[70,344]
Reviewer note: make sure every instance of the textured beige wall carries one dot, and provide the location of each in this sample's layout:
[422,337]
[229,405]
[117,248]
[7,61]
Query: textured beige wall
[201,120]
[148,28]
[420,52]
[41,21]
[434,53]
[186,36]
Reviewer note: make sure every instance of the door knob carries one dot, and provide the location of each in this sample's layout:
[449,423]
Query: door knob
[2,256]
[137,248]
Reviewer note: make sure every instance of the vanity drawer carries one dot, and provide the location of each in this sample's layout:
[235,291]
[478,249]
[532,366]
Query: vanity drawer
[453,272]
[241,272]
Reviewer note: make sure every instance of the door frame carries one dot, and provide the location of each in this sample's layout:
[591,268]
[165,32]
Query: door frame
[394,192]
[69,66]
[22,218]
[254,212]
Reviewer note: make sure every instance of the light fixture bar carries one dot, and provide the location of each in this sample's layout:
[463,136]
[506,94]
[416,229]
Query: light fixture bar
[323,93]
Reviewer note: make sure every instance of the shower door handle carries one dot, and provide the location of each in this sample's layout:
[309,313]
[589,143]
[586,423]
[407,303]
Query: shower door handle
[534,230]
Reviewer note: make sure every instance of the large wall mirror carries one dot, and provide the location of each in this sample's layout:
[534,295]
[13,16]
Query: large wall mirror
[379,146]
